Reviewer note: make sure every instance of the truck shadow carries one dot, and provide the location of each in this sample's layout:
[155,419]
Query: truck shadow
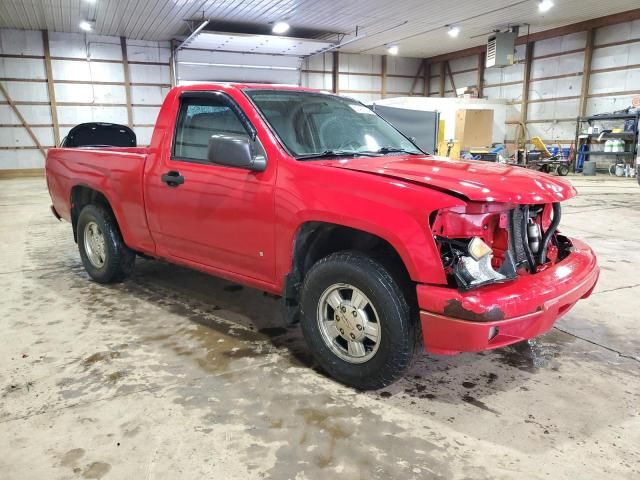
[464,378]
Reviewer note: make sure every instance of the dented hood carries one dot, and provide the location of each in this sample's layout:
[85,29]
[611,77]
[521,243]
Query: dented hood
[475,180]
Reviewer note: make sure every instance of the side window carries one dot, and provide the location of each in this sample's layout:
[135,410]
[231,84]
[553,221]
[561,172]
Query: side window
[198,119]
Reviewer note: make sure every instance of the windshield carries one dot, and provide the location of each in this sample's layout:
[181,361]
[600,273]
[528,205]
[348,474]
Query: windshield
[317,125]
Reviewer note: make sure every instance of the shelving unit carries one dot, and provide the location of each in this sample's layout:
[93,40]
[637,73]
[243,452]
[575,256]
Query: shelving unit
[607,122]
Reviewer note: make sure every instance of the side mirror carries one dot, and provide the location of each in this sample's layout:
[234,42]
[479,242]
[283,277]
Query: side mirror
[237,151]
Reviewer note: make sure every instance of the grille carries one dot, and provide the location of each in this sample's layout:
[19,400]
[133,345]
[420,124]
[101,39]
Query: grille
[517,227]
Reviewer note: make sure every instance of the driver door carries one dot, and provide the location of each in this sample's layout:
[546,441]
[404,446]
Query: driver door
[218,216]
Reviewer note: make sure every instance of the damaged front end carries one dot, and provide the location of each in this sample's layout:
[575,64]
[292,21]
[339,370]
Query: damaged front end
[486,243]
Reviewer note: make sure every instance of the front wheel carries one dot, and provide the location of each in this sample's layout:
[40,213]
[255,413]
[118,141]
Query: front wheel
[356,321]
[104,254]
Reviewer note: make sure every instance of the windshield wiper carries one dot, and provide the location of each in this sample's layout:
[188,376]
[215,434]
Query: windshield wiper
[389,149]
[336,153]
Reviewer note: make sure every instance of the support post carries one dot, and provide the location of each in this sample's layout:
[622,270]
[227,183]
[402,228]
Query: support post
[427,78]
[172,64]
[23,121]
[442,78]
[51,88]
[127,81]
[383,79]
[586,72]
[335,76]
[481,60]
[525,82]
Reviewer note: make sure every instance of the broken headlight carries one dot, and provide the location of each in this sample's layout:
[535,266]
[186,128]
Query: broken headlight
[469,262]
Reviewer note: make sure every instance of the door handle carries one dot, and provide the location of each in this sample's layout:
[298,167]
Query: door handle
[173,178]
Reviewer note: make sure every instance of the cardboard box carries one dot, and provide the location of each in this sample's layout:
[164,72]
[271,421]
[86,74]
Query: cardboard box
[474,128]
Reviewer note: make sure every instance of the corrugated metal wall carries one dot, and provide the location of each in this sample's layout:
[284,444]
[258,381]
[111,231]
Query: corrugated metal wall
[556,79]
[365,77]
[88,81]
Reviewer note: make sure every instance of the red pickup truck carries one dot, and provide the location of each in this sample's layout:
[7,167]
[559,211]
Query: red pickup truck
[375,247]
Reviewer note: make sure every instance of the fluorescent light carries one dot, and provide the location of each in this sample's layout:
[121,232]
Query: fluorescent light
[545,5]
[280,28]
[393,49]
[85,25]
[233,65]
[454,31]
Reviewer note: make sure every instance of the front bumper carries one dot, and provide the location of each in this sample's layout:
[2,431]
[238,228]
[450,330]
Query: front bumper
[501,314]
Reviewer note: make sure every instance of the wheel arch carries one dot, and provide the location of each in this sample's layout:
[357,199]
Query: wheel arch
[83,195]
[317,239]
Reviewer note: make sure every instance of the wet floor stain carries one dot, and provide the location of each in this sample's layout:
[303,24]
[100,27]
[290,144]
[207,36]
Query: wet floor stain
[96,470]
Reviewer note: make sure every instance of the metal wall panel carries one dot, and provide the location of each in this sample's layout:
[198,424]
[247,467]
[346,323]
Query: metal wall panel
[554,88]
[565,43]
[20,42]
[89,93]
[21,159]
[27,91]
[616,56]
[557,109]
[38,114]
[22,68]
[87,71]
[548,67]
[145,115]
[148,95]
[74,115]
[18,136]
[610,82]
[608,104]
[79,45]
[617,33]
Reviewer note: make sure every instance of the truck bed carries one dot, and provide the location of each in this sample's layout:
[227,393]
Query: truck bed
[117,172]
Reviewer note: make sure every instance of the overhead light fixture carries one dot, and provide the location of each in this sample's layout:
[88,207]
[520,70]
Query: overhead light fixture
[393,49]
[86,25]
[453,31]
[280,27]
[545,5]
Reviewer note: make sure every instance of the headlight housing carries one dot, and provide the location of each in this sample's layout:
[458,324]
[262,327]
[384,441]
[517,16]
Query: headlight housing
[475,269]
[473,244]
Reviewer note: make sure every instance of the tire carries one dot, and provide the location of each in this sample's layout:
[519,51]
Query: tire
[117,260]
[562,170]
[387,359]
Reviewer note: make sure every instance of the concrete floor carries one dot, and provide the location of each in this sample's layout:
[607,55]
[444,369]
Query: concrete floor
[175,374]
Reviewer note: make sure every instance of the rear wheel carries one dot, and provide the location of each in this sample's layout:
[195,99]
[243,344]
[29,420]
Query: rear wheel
[356,321]
[104,255]
[562,170]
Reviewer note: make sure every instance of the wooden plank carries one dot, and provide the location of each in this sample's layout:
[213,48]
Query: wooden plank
[23,121]
[525,81]
[415,79]
[335,75]
[21,172]
[559,54]
[50,88]
[127,80]
[586,72]
[481,62]
[76,59]
[554,99]
[453,84]
[383,80]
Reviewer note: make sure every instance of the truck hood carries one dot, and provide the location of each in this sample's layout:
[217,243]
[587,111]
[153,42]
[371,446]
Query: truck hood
[474,180]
